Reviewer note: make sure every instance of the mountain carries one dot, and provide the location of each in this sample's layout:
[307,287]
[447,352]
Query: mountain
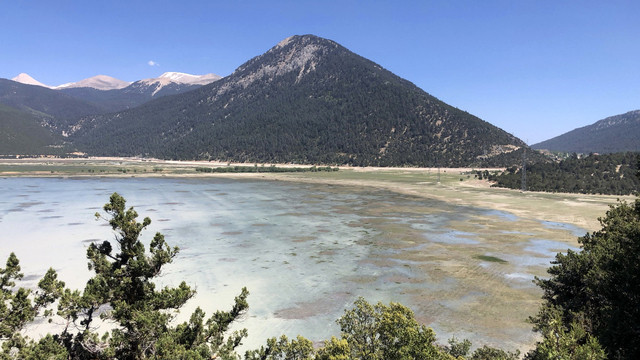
[24,78]
[183,78]
[139,92]
[614,134]
[306,100]
[99,82]
[171,83]
[58,108]
[21,133]
[54,109]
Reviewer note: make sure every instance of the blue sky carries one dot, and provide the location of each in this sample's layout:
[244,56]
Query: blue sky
[534,68]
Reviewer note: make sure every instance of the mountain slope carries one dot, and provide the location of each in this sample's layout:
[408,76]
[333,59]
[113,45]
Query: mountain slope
[21,133]
[170,83]
[26,79]
[614,134]
[139,92]
[183,78]
[99,82]
[306,100]
[54,109]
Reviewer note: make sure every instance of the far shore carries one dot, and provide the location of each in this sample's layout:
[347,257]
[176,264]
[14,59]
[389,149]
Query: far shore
[182,163]
[457,185]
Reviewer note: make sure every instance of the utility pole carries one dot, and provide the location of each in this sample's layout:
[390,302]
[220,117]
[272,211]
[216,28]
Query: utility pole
[438,165]
[524,169]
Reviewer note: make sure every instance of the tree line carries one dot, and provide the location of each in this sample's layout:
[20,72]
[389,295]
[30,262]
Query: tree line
[263,169]
[613,174]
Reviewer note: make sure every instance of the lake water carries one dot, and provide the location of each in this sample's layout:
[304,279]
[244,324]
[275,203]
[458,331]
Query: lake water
[304,251]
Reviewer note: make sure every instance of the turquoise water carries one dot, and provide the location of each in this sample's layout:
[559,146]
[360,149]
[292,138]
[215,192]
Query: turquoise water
[304,251]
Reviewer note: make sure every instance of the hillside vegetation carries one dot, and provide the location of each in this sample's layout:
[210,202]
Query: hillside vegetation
[618,133]
[53,109]
[307,100]
[126,98]
[594,174]
[21,133]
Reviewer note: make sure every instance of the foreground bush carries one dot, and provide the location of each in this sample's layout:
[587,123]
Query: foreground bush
[122,293]
[594,295]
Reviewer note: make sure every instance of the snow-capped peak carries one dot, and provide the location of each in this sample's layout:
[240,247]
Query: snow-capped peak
[104,82]
[178,78]
[26,79]
[100,82]
[183,78]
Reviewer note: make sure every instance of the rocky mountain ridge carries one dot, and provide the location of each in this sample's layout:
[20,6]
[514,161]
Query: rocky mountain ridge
[617,133]
[99,82]
[109,94]
[105,82]
[306,100]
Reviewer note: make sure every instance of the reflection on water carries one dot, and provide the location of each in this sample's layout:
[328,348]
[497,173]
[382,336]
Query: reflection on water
[453,237]
[548,248]
[304,251]
[576,231]
[502,214]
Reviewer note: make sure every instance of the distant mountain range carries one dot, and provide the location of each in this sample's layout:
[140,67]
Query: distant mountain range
[99,82]
[111,94]
[306,100]
[25,101]
[614,134]
[141,91]
[104,82]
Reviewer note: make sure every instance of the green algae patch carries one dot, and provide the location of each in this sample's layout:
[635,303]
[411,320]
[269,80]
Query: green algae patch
[490,259]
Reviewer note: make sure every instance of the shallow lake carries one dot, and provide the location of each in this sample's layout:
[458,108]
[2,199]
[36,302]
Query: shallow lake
[304,251]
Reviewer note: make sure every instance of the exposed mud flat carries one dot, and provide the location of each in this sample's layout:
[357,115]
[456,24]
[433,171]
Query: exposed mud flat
[307,250]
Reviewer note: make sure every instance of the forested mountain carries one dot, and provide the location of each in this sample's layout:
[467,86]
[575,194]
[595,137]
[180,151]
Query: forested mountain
[594,174]
[57,109]
[22,133]
[54,110]
[306,100]
[614,134]
[121,99]
[140,91]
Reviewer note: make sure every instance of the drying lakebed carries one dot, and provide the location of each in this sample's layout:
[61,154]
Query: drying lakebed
[305,251]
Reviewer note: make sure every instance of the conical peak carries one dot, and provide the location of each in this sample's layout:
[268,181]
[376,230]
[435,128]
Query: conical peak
[25,78]
[304,40]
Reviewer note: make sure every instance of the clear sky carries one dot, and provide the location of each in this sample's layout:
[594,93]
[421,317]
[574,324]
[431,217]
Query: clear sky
[535,68]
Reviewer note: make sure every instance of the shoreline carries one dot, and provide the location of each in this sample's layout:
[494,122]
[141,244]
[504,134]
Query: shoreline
[457,185]
[493,230]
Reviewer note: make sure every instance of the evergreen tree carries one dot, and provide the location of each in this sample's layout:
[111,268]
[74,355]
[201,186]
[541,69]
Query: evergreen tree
[596,292]
[122,292]
[593,174]
[19,306]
